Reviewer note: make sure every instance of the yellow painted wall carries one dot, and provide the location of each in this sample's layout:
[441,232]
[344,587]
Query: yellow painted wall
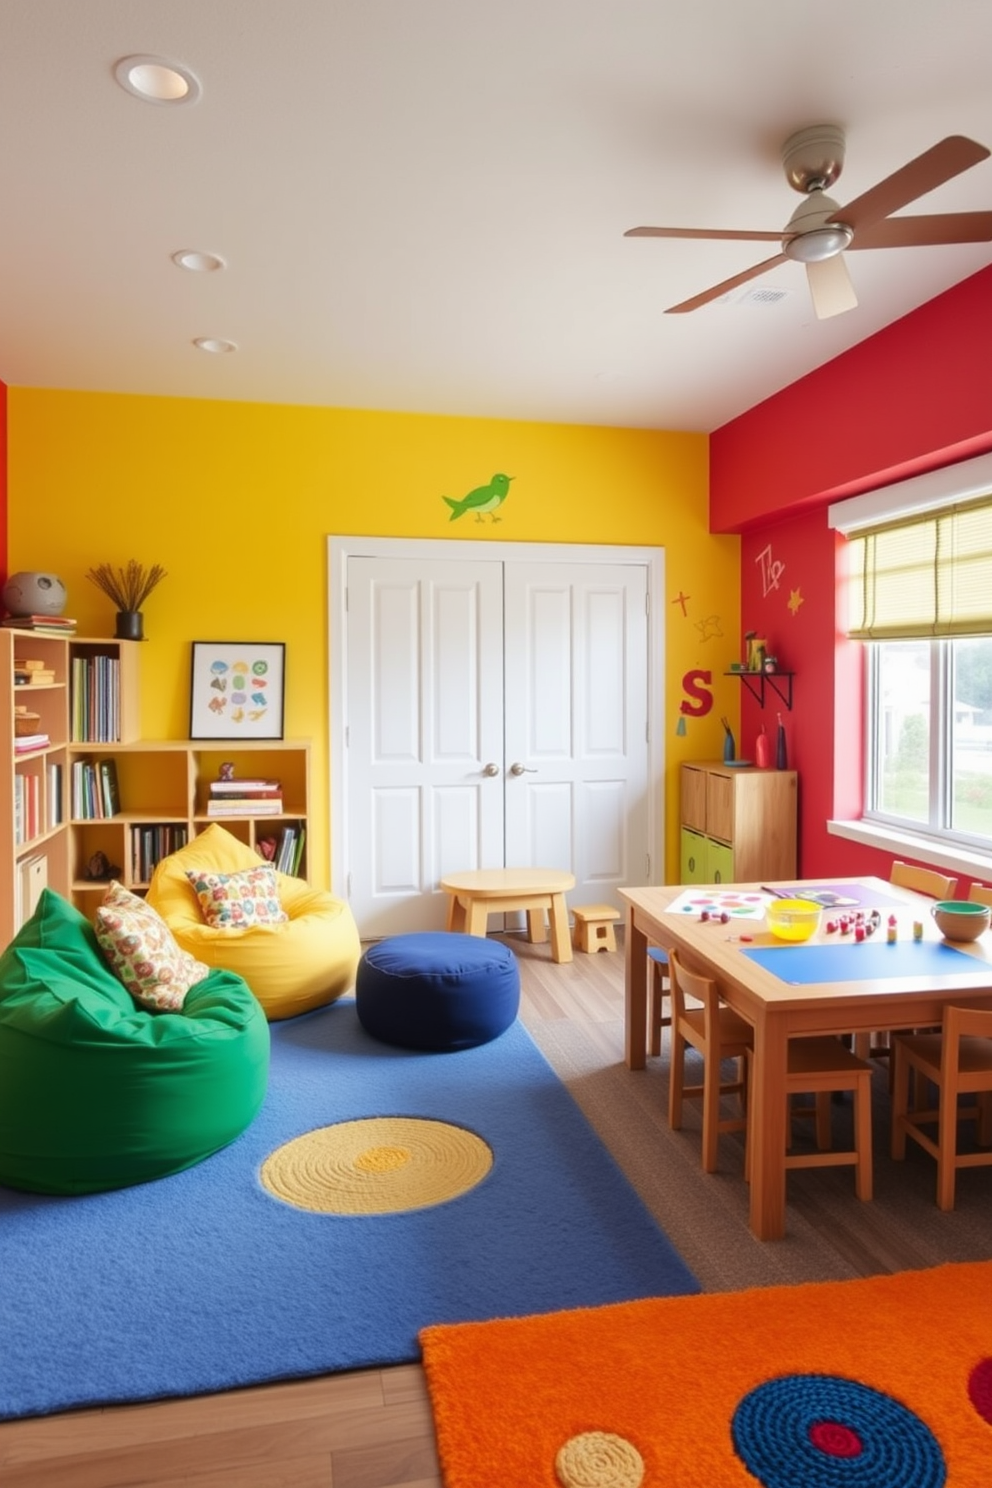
[237,500]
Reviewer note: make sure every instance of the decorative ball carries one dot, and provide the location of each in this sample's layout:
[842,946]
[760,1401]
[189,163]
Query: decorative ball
[34,594]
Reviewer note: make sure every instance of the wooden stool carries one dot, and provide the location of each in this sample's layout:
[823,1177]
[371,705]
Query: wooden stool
[594,927]
[475,895]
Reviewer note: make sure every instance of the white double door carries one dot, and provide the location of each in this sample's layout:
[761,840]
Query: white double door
[493,712]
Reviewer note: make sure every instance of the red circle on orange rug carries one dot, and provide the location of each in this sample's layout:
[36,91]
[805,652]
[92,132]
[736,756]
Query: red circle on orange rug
[835,1439]
[980,1389]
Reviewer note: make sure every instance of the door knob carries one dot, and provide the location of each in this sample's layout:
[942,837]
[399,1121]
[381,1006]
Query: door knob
[518,769]
[490,769]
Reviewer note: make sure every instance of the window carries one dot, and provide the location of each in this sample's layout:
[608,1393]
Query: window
[920,596]
[929,749]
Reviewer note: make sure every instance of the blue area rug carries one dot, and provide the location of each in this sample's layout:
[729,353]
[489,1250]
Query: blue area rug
[204,1281]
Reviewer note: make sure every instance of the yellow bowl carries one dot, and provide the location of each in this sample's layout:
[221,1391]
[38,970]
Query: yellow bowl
[793,919]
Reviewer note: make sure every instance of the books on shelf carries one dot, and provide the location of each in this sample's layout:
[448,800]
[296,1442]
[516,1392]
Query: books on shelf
[33,674]
[25,743]
[27,807]
[109,789]
[53,795]
[245,806]
[95,791]
[44,624]
[150,844]
[289,851]
[96,699]
[30,878]
[244,789]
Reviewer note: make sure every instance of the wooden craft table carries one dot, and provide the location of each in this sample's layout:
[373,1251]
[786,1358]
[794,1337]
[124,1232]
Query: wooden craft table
[779,1010]
[475,895]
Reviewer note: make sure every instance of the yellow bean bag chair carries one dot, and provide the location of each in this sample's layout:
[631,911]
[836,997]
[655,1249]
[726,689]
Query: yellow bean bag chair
[302,962]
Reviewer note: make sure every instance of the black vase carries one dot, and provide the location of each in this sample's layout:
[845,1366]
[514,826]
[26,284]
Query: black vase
[130,625]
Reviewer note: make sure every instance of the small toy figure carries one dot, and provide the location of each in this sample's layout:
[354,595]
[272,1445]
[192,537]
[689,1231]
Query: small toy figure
[100,869]
[917,929]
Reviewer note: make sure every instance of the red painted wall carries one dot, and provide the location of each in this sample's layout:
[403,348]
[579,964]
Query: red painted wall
[916,396]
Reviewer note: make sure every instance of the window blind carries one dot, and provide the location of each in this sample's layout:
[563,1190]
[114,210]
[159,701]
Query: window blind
[928,575]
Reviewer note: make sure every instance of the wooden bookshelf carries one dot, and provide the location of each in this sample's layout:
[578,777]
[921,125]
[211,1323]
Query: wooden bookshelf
[51,833]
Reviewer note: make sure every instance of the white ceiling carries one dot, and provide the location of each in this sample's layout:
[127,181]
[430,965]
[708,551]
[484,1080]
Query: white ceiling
[422,202]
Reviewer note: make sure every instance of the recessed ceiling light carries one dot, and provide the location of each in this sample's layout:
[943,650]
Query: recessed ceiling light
[157,80]
[197,261]
[214,344]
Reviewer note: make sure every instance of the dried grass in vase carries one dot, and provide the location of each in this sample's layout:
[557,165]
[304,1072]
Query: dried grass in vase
[128,587]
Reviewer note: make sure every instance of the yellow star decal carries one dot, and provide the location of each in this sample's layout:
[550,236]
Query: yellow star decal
[709,627]
[795,600]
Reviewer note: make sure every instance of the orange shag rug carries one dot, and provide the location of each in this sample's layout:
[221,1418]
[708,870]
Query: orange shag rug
[877,1383]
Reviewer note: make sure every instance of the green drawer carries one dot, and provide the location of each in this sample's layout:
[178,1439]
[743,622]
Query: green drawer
[694,857]
[719,862]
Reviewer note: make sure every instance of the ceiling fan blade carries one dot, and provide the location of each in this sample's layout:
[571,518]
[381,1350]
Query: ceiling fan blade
[922,232]
[830,287]
[725,286]
[702,232]
[931,169]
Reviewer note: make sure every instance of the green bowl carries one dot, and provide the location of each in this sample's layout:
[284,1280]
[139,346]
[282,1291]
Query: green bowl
[960,919]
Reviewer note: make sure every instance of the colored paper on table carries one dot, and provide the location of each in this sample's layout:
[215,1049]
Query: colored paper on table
[841,896]
[737,904]
[855,961]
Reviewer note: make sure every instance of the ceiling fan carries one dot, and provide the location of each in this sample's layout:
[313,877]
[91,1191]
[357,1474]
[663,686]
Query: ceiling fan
[819,232]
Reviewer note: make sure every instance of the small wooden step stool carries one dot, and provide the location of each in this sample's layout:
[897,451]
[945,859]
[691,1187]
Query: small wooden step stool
[594,927]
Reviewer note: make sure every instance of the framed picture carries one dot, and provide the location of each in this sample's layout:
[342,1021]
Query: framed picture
[237,690]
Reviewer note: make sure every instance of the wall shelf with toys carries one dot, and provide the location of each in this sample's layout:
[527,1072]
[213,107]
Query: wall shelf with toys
[755,684]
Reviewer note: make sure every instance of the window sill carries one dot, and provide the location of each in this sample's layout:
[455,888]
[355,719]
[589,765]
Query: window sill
[920,849]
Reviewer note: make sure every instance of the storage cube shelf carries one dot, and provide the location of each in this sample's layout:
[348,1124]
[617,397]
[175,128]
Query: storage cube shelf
[738,825]
[95,788]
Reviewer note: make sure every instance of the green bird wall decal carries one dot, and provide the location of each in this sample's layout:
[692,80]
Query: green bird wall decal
[482,499]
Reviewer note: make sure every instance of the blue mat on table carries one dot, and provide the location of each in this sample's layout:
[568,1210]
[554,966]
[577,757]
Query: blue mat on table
[203,1281]
[853,961]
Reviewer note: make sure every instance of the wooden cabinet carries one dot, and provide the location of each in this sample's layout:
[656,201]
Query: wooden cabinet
[53,830]
[737,825]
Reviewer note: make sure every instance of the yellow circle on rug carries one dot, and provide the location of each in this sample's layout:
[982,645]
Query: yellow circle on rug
[599,1459]
[379,1165]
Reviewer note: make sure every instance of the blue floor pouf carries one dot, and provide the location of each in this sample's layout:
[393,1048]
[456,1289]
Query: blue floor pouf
[437,990]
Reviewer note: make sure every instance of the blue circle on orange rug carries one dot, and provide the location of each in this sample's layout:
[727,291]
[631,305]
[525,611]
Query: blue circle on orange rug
[828,1432]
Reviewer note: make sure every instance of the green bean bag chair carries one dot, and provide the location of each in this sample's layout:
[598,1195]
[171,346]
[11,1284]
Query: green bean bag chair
[98,1092]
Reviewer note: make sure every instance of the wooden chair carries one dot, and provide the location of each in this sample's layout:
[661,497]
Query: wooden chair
[658,990]
[958,1061]
[820,1066]
[980,894]
[920,881]
[718,1033]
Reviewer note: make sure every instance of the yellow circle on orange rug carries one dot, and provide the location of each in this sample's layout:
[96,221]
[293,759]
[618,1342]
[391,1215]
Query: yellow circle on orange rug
[599,1459]
[378,1165]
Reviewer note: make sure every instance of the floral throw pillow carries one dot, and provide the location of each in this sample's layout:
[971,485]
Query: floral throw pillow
[143,953]
[236,901]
